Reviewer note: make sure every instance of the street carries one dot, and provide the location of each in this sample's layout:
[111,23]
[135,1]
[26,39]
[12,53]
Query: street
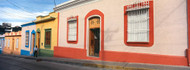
[13,63]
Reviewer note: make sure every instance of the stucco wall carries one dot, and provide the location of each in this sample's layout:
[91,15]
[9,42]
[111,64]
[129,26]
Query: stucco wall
[48,25]
[8,49]
[24,29]
[170,26]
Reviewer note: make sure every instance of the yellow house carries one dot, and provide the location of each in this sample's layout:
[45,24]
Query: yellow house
[12,43]
[46,37]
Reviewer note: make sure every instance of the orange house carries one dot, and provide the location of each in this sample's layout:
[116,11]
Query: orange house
[12,43]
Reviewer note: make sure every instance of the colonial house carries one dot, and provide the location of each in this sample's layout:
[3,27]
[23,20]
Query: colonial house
[28,38]
[46,30]
[12,43]
[135,31]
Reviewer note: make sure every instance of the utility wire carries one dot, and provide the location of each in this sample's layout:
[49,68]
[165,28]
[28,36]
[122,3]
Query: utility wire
[24,6]
[8,14]
[19,7]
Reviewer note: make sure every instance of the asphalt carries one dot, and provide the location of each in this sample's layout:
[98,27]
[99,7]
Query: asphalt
[15,63]
[103,64]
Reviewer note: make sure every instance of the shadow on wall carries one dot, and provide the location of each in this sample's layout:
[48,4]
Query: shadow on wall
[109,34]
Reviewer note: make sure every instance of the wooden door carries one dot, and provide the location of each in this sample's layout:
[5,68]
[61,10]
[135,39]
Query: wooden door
[38,40]
[33,42]
[94,25]
[91,43]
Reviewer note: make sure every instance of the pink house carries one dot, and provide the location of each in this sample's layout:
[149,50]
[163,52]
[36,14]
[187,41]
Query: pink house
[136,31]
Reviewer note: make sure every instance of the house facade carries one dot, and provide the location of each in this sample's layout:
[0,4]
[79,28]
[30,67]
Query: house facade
[136,31]
[2,39]
[46,37]
[12,44]
[28,38]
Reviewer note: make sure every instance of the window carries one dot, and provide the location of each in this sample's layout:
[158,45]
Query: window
[72,32]
[27,39]
[17,42]
[8,42]
[139,24]
[5,42]
[48,38]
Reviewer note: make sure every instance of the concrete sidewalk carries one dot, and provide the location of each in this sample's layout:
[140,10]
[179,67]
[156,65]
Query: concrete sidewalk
[105,64]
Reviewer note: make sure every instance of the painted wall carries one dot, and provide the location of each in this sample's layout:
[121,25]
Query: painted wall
[27,50]
[11,48]
[170,33]
[52,24]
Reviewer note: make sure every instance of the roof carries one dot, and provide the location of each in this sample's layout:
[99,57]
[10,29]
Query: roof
[44,20]
[70,3]
[28,24]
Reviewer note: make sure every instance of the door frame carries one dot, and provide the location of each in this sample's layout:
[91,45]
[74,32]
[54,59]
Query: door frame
[94,13]
[33,43]
[88,29]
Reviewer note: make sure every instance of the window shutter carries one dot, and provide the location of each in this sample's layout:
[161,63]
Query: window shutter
[138,25]
[27,38]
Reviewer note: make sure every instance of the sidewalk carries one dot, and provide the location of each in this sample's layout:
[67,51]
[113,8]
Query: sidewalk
[105,64]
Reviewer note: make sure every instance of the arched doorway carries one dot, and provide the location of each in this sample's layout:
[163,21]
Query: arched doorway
[94,34]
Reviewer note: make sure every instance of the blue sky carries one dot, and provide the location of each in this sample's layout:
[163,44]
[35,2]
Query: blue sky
[18,12]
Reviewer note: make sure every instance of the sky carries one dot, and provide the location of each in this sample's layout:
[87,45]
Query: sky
[18,12]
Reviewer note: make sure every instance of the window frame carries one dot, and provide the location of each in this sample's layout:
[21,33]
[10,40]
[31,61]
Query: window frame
[151,26]
[28,38]
[72,42]
[46,30]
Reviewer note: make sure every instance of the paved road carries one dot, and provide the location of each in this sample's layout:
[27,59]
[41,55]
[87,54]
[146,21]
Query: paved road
[12,63]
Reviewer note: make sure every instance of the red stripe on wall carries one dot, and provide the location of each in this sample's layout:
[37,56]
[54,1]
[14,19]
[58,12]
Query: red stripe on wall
[76,53]
[188,50]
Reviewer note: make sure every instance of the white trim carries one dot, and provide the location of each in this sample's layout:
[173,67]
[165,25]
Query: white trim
[64,3]
[87,35]
[71,4]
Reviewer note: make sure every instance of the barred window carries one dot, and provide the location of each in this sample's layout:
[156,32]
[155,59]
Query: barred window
[27,39]
[72,30]
[138,25]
